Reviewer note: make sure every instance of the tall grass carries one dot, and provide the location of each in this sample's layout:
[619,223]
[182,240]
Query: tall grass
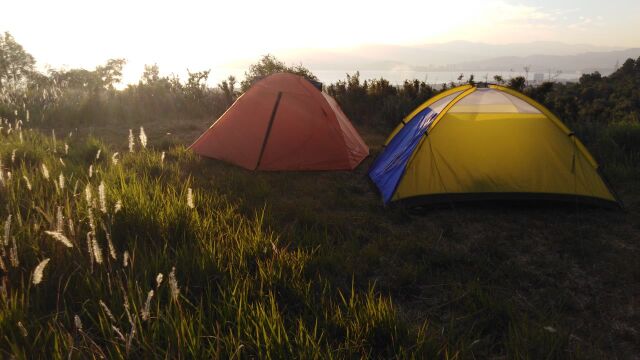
[90,257]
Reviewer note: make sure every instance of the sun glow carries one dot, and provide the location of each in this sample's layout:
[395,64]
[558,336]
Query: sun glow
[207,34]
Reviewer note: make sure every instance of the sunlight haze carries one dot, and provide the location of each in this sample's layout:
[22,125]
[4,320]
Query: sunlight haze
[207,35]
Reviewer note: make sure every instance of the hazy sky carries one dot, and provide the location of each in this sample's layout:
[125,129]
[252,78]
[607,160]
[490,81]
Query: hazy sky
[205,34]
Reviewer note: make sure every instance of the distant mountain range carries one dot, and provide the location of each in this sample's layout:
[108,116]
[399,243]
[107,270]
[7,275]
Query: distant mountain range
[463,55]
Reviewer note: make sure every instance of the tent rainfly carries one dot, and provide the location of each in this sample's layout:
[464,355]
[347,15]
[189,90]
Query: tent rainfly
[283,122]
[491,143]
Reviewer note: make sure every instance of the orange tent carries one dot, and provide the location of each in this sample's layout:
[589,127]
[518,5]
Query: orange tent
[283,122]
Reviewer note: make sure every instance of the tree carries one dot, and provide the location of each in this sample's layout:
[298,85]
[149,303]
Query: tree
[517,83]
[151,74]
[111,72]
[15,63]
[268,65]
[228,89]
[498,79]
[196,86]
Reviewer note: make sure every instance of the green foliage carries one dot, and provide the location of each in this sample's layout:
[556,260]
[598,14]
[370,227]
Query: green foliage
[377,103]
[228,88]
[517,83]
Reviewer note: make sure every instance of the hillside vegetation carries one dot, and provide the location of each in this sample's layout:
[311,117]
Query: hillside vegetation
[118,243]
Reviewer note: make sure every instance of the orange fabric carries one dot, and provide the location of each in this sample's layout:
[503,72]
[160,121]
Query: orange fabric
[309,130]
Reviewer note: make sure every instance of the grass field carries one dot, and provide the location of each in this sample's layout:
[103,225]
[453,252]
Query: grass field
[292,265]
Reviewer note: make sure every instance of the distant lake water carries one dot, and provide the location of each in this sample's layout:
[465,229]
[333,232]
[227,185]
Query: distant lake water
[399,76]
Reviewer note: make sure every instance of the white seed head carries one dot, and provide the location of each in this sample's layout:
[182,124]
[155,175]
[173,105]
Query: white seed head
[87,194]
[550,329]
[72,231]
[27,182]
[92,220]
[59,220]
[107,311]
[190,198]
[56,235]
[173,284]
[132,142]
[13,254]
[53,138]
[118,206]
[159,280]
[97,250]
[23,330]
[112,249]
[45,171]
[90,247]
[146,311]
[143,138]
[118,332]
[102,194]
[77,322]
[7,230]
[38,272]
[61,181]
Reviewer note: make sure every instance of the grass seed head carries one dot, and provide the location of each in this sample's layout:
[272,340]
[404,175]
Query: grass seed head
[45,171]
[173,284]
[7,230]
[59,220]
[77,322]
[38,272]
[190,203]
[132,142]
[23,330]
[97,250]
[143,138]
[146,311]
[87,194]
[60,237]
[27,182]
[102,195]
[107,311]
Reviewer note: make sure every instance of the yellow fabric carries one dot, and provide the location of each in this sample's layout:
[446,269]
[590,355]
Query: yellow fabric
[552,117]
[423,106]
[499,108]
[449,106]
[500,153]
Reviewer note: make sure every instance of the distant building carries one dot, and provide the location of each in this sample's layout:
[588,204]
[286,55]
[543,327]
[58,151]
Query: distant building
[538,77]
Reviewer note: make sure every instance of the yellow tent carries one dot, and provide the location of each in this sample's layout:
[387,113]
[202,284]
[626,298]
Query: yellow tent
[473,143]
